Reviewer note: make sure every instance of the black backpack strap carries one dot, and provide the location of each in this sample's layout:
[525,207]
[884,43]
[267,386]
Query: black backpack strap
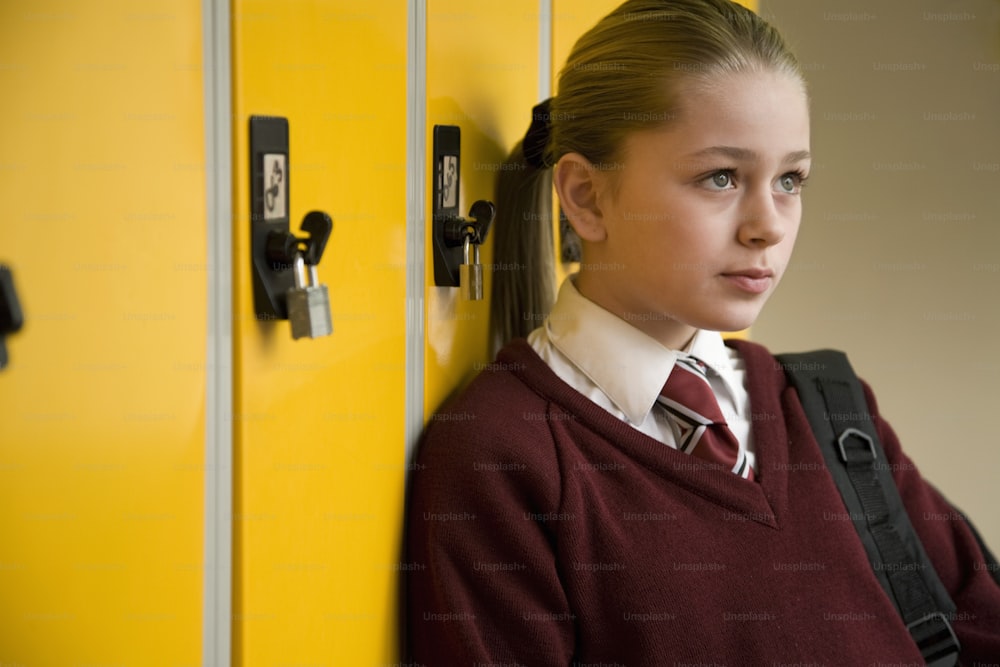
[834,401]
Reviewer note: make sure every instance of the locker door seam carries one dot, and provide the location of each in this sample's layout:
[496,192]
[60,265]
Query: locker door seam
[217,583]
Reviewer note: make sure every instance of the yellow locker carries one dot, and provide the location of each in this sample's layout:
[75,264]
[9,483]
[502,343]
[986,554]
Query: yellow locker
[482,75]
[102,410]
[318,424]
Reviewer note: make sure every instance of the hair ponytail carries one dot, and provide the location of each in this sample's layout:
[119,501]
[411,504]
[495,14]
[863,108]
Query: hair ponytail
[523,251]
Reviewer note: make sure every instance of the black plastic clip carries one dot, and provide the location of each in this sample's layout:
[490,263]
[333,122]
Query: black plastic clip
[450,236]
[11,315]
[274,273]
[283,246]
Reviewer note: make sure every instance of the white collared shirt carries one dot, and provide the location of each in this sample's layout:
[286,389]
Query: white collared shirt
[623,370]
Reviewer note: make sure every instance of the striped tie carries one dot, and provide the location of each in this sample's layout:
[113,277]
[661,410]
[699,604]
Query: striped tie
[692,408]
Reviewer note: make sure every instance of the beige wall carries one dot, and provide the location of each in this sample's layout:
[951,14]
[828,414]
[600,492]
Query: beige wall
[898,258]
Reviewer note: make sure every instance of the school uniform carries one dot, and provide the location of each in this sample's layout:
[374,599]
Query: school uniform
[552,521]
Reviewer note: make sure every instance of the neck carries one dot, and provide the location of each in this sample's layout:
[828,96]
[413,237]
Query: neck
[670,333]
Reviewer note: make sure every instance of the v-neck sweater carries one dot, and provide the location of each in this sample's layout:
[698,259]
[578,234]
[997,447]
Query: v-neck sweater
[544,531]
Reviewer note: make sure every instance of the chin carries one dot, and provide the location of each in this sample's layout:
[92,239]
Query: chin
[729,322]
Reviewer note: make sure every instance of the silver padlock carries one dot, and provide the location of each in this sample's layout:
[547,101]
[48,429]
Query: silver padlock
[470,275]
[308,305]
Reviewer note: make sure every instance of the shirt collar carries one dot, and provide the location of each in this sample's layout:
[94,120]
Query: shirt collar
[710,348]
[629,366]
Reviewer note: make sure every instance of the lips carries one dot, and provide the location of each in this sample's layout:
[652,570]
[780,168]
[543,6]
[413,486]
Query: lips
[754,274]
[751,281]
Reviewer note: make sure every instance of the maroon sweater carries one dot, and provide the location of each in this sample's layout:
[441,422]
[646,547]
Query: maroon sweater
[544,531]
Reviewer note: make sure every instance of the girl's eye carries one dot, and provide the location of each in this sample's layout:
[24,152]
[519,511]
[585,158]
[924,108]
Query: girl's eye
[720,180]
[791,183]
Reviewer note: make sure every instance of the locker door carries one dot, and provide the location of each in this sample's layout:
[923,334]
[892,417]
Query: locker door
[482,75]
[102,409]
[318,424]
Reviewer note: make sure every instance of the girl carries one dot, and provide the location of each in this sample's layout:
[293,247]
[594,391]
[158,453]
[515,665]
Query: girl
[621,487]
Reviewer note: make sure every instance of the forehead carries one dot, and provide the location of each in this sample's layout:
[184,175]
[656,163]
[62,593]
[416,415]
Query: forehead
[765,113]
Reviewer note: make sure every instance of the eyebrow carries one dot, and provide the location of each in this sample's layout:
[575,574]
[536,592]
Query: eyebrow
[746,154]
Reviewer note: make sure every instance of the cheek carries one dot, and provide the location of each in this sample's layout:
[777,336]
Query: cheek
[791,235]
[661,225]
[794,220]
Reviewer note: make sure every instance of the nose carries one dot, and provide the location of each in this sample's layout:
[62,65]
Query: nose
[761,224]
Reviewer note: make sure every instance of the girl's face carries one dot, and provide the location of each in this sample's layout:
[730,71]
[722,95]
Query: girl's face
[695,226]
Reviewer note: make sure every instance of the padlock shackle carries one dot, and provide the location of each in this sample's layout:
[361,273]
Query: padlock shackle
[299,265]
[466,244]
[470,233]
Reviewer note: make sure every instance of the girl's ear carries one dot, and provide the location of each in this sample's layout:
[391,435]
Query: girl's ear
[576,181]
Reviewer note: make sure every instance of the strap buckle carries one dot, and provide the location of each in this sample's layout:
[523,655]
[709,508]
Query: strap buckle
[857,455]
[936,639]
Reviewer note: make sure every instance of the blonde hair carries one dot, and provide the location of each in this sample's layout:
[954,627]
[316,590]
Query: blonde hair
[622,76]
